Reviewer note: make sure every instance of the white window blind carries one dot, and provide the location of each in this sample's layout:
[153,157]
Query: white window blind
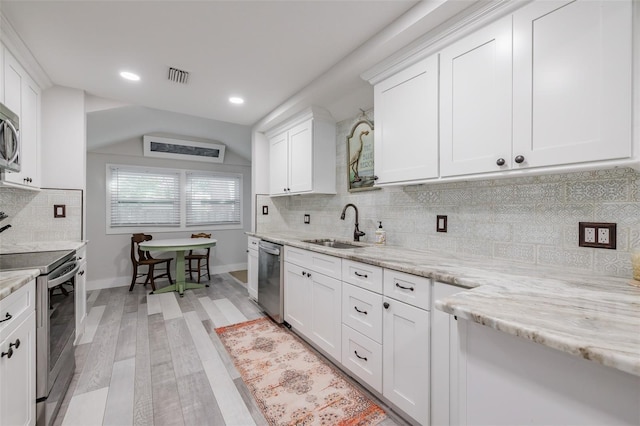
[212,199]
[144,197]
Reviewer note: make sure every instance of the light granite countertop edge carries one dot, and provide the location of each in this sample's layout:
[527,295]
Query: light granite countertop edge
[593,317]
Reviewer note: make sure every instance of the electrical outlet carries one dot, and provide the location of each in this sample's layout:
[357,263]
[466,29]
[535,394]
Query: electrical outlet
[597,235]
[603,235]
[589,235]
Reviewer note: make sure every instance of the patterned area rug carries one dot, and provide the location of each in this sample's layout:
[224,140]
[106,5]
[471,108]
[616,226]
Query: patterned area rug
[292,385]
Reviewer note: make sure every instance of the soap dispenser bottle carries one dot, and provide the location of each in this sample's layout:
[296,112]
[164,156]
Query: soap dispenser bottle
[381,235]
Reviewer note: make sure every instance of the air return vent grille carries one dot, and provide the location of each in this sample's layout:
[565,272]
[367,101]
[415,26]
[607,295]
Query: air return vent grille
[178,76]
[180,149]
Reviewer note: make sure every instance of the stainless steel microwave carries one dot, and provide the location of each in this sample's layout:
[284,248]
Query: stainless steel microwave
[10,148]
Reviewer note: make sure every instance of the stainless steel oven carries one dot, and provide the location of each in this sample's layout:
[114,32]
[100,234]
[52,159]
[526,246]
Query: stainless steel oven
[55,325]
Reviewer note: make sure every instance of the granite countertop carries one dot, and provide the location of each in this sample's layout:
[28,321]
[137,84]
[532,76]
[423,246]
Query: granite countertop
[41,246]
[593,317]
[11,281]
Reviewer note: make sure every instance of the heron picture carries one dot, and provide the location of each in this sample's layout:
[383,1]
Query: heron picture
[360,156]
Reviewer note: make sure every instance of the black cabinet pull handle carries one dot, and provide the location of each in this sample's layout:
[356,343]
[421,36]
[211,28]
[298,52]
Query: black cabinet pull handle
[404,288]
[8,353]
[15,345]
[500,162]
[362,312]
[81,273]
[7,317]
[361,275]
[361,357]
[519,159]
[304,274]
[386,305]
[309,274]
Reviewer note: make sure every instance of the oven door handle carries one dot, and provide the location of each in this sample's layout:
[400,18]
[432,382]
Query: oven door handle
[61,279]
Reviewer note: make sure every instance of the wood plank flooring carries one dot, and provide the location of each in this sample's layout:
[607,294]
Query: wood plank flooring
[157,360]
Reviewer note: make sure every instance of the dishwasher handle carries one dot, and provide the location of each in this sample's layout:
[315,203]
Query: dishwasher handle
[269,249]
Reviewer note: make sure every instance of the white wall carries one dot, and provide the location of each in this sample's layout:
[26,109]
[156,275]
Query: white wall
[108,256]
[63,138]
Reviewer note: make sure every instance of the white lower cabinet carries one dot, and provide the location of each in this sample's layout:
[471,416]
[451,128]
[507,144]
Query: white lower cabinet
[444,344]
[297,299]
[17,360]
[252,267]
[325,313]
[362,357]
[312,299]
[406,358]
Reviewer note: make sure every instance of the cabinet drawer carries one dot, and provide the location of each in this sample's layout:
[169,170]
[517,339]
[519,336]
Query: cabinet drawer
[363,275]
[317,262]
[411,289]
[253,243]
[362,311]
[16,307]
[362,357]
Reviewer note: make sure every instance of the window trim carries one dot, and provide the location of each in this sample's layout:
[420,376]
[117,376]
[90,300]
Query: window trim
[183,202]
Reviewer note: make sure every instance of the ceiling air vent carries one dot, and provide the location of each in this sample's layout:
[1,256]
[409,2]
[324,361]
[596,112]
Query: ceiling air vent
[178,76]
[180,149]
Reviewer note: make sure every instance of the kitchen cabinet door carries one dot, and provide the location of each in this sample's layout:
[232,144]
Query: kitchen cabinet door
[17,375]
[301,158]
[22,96]
[444,347]
[572,82]
[81,295]
[406,124]
[405,354]
[279,164]
[475,102]
[325,314]
[297,299]
[252,270]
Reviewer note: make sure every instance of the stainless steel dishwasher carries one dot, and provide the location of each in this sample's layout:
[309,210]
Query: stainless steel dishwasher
[270,280]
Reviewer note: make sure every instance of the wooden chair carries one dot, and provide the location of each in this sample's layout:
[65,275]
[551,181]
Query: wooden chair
[140,258]
[199,258]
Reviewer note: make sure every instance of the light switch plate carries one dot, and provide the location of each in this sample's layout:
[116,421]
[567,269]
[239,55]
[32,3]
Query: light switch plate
[597,235]
[307,219]
[441,223]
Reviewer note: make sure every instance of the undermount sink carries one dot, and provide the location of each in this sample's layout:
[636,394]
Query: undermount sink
[327,242]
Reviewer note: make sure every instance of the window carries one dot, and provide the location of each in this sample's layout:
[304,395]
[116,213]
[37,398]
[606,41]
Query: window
[141,199]
[212,199]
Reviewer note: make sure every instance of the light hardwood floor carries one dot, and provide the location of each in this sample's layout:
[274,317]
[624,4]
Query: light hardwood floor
[157,360]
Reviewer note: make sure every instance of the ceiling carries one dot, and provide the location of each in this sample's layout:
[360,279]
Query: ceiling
[268,52]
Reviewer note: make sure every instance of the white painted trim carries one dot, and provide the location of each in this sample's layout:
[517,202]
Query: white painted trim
[126,281]
[23,55]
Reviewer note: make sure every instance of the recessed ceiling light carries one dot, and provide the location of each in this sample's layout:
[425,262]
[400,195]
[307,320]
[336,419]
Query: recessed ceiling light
[129,76]
[236,100]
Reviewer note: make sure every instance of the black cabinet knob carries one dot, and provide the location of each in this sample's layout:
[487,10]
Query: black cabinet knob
[500,161]
[519,159]
[386,305]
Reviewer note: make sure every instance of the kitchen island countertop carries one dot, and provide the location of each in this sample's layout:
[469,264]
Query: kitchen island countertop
[591,316]
[11,281]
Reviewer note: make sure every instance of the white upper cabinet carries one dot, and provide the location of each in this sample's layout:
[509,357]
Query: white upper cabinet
[303,155]
[22,96]
[475,105]
[572,79]
[406,124]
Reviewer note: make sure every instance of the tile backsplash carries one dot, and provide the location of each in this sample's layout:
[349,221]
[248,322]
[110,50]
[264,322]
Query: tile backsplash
[526,219]
[31,215]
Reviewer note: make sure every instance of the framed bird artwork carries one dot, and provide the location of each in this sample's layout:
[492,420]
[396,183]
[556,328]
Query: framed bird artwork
[360,156]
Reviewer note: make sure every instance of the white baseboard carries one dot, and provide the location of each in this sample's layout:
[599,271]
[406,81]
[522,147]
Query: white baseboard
[126,281]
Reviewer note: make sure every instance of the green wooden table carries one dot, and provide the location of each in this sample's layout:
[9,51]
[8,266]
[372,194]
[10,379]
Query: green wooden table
[179,245]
